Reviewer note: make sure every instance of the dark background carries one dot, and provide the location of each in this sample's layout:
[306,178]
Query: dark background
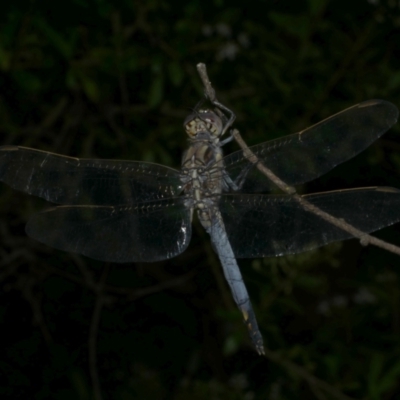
[115,79]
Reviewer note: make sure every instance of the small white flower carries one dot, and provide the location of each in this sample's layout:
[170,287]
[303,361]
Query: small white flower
[207,30]
[364,296]
[223,29]
[229,51]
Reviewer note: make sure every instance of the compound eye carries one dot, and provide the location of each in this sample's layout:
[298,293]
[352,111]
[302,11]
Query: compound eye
[212,127]
[201,121]
[190,128]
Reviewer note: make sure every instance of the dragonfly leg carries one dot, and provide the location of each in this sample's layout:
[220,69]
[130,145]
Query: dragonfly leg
[241,178]
[238,183]
[231,114]
[228,183]
[226,140]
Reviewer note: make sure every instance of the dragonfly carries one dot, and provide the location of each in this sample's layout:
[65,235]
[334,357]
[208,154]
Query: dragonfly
[133,211]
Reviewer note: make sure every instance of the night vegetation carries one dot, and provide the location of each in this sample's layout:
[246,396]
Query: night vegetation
[102,79]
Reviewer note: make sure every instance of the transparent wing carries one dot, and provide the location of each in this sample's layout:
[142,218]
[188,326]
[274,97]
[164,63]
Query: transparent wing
[67,180]
[150,231]
[269,225]
[312,152]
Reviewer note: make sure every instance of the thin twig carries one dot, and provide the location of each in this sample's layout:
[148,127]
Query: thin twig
[312,381]
[27,284]
[137,293]
[209,91]
[365,239]
[94,326]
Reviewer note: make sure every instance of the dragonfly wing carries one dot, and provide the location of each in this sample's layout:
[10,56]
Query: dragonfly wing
[269,225]
[306,155]
[67,180]
[150,231]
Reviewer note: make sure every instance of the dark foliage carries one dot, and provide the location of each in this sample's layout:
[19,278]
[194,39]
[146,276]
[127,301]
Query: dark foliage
[115,79]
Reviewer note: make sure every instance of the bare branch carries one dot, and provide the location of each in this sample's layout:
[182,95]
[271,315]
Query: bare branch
[316,385]
[209,91]
[94,326]
[365,239]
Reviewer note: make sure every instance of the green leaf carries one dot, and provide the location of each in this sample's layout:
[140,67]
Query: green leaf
[316,6]
[63,46]
[27,81]
[309,281]
[394,81]
[77,78]
[175,72]
[375,370]
[156,90]
[91,89]
[295,25]
[5,58]
[390,378]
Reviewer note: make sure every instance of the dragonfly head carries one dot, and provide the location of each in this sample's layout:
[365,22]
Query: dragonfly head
[203,121]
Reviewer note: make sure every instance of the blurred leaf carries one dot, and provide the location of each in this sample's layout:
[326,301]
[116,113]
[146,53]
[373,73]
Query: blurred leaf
[394,81]
[103,7]
[27,81]
[390,378]
[156,90]
[175,73]
[316,6]
[80,384]
[295,25]
[379,381]
[309,281]
[90,88]
[71,80]
[231,345]
[4,59]
[63,46]
[332,363]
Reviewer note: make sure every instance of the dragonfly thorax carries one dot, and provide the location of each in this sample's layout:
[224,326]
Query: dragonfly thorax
[203,121]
